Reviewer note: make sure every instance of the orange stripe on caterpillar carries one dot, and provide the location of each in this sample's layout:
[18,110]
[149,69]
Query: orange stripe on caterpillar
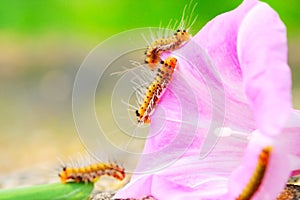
[258,175]
[159,46]
[155,90]
[91,173]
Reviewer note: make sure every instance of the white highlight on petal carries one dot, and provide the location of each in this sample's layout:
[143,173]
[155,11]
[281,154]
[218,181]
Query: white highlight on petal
[229,132]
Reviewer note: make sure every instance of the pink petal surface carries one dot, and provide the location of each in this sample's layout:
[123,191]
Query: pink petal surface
[190,177]
[262,52]
[219,37]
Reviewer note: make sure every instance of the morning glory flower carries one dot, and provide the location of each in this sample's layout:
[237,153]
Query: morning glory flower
[238,88]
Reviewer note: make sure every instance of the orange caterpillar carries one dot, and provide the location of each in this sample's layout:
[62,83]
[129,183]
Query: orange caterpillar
[159,46]
[166,44]
[91,173]
[258,175]
[155,89]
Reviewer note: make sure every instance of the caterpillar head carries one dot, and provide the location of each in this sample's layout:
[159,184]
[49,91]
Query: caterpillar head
[182,35]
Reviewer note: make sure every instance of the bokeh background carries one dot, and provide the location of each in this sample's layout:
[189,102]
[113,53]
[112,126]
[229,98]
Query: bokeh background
[42,44]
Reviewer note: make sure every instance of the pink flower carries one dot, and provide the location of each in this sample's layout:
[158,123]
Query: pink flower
[231,108]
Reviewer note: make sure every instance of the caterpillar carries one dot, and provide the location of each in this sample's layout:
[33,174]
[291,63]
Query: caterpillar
[167,44]
[159,46]
[91,173]
[258,175]
[155,90]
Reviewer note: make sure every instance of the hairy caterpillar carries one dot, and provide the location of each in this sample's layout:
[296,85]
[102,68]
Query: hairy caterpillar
[156,89]
[171,43]
[91,173]
[159,46]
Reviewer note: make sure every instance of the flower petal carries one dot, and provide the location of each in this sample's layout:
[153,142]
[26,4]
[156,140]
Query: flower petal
[191,111]
[218,37]
[190,177]
[262,52]
[261,176]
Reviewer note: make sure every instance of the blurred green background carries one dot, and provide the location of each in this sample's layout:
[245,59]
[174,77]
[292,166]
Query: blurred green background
[42,44]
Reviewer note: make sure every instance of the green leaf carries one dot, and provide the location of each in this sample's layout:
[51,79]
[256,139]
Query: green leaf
[55,191]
